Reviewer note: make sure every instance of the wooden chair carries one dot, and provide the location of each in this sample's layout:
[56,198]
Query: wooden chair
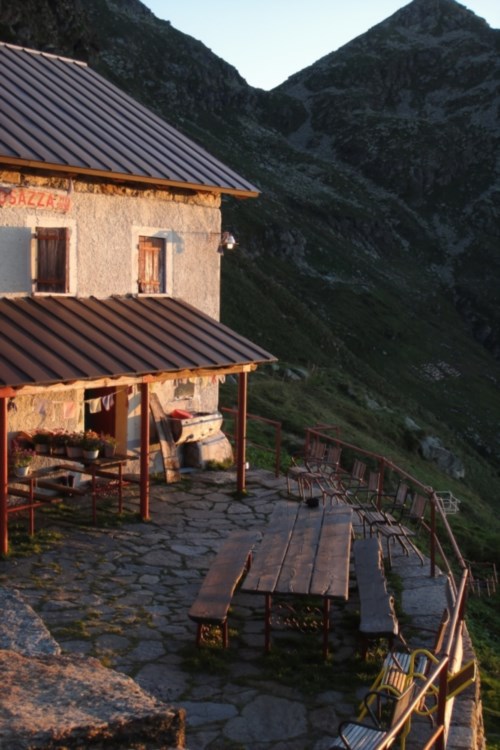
[325,472]
[361,735]
[308,462]
[353,496]
[400,666]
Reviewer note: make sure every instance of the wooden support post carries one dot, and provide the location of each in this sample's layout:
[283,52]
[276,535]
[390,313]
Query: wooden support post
[433,535]
[241,440]
[4,478]
[326,626]
[144,461]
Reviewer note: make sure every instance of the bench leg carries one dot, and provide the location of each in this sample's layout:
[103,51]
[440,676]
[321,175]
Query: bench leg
[326,626]
[267,624]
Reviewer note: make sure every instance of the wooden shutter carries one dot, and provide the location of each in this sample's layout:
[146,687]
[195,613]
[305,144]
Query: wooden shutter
[151,265]
[52,259]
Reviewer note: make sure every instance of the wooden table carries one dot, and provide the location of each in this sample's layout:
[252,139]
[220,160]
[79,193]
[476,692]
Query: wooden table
[43,486]
[108,468]
[304,552]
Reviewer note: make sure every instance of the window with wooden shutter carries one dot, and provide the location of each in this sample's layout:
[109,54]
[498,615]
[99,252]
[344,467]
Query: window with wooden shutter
[52,259]
[151,265]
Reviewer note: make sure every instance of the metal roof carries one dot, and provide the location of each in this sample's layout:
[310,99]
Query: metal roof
[59,114]
[56,339]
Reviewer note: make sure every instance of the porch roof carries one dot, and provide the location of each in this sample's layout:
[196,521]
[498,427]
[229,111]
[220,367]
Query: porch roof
[59,115]
[55,339]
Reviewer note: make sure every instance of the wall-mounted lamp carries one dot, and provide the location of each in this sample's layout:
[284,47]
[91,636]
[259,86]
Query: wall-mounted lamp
[227,242]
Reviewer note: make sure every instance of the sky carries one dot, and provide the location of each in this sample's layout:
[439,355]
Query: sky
[269,40]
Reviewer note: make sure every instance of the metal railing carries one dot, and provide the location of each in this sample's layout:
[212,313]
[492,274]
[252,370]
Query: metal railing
[458,582]
[232,435]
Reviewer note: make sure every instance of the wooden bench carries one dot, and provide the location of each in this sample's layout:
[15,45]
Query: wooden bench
[358,735]
[376,605]
[214,598]
[38,492]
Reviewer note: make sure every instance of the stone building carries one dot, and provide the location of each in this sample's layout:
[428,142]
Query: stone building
[110,248]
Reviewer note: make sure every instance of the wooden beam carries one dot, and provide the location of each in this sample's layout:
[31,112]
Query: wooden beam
[4,478]
[144,458]
[241,438]
[126,380]
[7,392]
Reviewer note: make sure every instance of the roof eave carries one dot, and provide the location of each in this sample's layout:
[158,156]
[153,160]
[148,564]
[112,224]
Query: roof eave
[122,177]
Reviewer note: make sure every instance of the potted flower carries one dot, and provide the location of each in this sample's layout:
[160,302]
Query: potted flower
[74,445]
[59,440]
[20,461]
[109,443]
[42,440]
[91,445]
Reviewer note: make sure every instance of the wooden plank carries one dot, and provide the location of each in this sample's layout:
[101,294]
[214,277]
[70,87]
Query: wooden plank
[61,489]
[168,447]
[298,564]
[270,553]
[39,495]
[331,569]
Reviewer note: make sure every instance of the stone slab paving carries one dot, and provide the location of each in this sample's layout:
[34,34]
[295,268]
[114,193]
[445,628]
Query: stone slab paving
[122,595]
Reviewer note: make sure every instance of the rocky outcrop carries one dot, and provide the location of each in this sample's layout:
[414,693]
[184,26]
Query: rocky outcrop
[433,450]
[49,701]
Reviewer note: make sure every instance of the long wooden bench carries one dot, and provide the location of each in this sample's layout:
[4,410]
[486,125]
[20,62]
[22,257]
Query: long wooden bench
[376,605]
[211,606]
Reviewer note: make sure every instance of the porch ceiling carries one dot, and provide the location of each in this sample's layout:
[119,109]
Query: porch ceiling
[55,339]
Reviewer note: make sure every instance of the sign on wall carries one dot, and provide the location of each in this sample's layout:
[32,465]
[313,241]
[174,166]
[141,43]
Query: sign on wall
[50,200]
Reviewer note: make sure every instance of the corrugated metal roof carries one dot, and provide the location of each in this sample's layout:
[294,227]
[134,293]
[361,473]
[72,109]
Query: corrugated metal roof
[45,340]
[60,114]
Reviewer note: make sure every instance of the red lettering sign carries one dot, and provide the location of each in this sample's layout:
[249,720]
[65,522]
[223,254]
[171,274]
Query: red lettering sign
[40,199]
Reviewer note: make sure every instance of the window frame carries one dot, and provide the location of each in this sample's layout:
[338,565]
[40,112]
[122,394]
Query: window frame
[160,278]
[59,283]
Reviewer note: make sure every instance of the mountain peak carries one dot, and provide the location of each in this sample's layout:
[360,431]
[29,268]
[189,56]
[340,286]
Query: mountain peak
[436,16]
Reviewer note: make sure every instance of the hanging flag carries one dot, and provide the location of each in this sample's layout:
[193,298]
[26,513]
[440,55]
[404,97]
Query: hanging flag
[69,410]
[94,405]
[107,402]
[41,407]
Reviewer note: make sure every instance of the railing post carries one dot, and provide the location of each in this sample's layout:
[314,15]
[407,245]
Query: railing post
[441,706]
[380,487]
[277,444]
[433,535]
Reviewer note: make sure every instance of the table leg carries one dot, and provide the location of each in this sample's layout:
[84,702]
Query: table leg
[326,625]
[267,624]
[120,488]
[32,509]
[94,498]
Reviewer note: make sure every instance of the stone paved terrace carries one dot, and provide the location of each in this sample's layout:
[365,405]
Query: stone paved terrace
[122,594]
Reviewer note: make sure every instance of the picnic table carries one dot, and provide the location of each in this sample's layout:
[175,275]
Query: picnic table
[304,552]
[49,484]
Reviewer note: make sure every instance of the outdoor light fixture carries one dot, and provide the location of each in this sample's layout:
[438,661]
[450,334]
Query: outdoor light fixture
[227,242]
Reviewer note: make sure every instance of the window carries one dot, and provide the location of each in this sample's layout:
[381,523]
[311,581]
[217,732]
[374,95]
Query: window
[151,265]
[52,256]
